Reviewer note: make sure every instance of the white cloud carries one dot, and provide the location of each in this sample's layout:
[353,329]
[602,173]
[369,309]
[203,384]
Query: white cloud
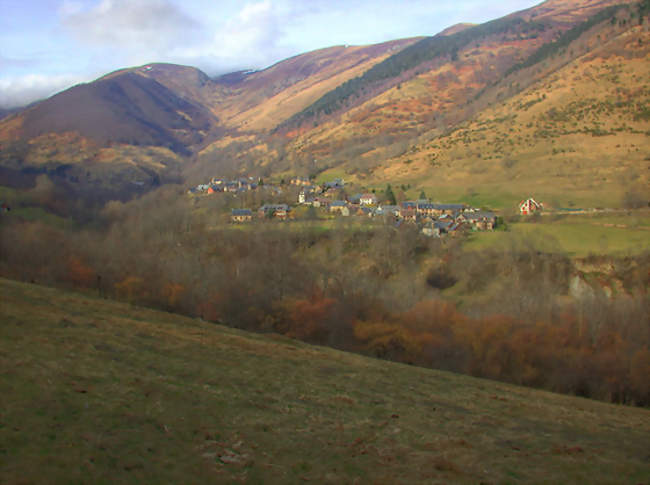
[135,26]
[22,90]
[252,38]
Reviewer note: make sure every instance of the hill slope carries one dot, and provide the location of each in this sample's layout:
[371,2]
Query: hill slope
[446,114]
[126,108]
[97,391]
[456,127]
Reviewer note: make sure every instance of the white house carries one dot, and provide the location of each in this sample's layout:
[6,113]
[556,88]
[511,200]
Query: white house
[529,206]
[368,199]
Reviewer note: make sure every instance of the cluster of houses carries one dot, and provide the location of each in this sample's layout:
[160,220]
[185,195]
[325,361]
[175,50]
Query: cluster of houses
[217,185]
[432,218]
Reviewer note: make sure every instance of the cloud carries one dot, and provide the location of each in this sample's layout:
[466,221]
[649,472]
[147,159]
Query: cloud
[148,27]
[251,38]
[22,90]
[252,34]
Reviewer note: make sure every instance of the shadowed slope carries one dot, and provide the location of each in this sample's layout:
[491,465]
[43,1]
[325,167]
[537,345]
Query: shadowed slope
[125,108]
[98,391]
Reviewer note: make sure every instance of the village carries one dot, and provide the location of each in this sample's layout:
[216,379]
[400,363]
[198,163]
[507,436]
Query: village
[300,198]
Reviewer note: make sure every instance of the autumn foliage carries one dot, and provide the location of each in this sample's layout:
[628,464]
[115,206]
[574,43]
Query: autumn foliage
[363,291]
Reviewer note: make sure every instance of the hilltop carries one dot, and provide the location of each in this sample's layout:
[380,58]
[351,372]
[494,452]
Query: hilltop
[100,391]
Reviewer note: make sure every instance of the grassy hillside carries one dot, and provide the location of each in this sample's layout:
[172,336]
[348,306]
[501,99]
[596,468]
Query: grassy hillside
[510,116]
[578,235]
[576,137]
[99,392]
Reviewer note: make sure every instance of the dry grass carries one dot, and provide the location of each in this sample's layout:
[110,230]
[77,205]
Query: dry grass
[100,392]
[575,137]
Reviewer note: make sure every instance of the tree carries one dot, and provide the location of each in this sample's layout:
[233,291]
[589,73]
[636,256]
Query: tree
[389,195]
[423,196]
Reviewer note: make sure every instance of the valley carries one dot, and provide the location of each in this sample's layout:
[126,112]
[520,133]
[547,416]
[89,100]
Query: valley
[425,260]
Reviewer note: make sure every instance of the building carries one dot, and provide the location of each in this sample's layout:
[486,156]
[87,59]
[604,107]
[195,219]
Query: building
[334,184]
[388,210]
[368,199]
[241,215]
[340,206]
[481,220]
[529,206]
[277,211]
[301,181]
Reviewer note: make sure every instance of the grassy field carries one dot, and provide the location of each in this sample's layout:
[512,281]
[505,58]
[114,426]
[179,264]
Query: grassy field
[95,391]
[576,235]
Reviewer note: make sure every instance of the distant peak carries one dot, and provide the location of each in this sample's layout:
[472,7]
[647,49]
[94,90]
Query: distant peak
[456,28]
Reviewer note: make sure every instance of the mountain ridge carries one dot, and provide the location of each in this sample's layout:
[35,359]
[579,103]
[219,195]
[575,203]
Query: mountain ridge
[353,109]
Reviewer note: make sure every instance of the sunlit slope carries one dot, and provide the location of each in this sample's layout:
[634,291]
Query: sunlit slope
[579,135]
[493,126]
[269,97]
[97,391]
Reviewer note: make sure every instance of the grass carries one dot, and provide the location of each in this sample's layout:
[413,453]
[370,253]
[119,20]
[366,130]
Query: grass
[95,391]
[39,214]
[578,236]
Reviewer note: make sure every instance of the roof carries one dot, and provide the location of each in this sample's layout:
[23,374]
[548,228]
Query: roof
[449,207]
[388,209]
[475,216]
[531,200]
[242,212]
[274,207]
[426,205]
[338,203]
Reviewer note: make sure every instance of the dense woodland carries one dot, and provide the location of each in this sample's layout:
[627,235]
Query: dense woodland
[381,290]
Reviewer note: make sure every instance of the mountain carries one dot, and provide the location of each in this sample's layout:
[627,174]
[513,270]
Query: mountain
[454,114]
[126,108]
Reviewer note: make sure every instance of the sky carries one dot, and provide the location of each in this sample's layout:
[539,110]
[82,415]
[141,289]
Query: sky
[50,45]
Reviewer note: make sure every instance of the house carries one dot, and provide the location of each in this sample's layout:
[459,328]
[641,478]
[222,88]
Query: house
[321,202]
[232,186]
[368,199]
[409,204]
[529,206]
[434,229]
[456,229]
[241,215]
[277,211]
[386,210]
[409,215]
[334,184]
[340,206]
[450,209]
[426,209]
[302,181]
[364,211]
[480,220]
[354,199]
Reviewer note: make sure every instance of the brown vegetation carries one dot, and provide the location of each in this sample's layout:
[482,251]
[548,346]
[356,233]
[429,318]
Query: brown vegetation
[358,288]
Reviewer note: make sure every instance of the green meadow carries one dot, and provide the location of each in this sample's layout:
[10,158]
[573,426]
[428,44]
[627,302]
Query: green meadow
[576,235]
[94,391]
